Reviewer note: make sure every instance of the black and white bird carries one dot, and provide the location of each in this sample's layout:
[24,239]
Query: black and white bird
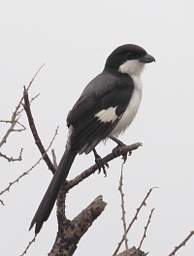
[106,107]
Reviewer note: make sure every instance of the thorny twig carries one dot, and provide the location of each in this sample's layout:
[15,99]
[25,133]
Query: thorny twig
[16,114]
[14,120]
[30,169]
[143,203]
[183,243]
[123,206]
[28,246]
[11,158]
[145,230]
[23,128]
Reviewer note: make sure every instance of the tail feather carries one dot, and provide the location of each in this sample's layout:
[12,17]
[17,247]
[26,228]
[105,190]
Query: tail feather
[50,196]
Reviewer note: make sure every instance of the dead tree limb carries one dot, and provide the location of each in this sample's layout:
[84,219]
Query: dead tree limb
[35,133]
[143,203]
[70,232]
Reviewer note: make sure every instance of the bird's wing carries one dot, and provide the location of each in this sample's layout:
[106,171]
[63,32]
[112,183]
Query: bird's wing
[98,110]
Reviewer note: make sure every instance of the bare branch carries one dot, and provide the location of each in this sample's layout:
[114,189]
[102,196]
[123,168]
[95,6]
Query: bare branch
[10,122]
[35,75]
[123,206]
[28,246]
[10,129]
[12,159]
[70,232]
[30,169]
[16,114]
[183,243]
[143,203]
[85,174]
[145,229]
[35,133]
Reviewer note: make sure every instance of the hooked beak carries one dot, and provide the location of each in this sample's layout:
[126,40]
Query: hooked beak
[147,58]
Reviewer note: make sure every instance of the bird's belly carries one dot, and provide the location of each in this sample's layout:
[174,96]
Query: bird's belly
[129,113]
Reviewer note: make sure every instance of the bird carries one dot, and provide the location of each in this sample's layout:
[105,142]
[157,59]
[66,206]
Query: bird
[105,108]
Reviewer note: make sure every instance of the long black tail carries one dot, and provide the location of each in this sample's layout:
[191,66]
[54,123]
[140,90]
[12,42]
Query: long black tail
[50,196]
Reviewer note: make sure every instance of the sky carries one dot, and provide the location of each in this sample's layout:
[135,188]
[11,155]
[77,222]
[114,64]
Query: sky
[73,39]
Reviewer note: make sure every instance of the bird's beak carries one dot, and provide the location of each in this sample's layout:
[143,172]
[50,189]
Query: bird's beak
[147,58]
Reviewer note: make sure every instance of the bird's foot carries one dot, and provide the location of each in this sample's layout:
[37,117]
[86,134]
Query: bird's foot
[101,165]
[123,150]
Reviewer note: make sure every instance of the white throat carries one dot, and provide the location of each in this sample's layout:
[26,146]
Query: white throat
[132,67]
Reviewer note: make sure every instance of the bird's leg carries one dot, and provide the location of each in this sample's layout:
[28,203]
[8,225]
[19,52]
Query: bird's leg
[100,163]
[119,142]
[120,148]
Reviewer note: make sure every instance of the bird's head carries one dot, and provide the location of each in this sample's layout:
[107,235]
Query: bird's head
[128,59]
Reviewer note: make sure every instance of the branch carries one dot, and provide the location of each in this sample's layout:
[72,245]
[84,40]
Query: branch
[70,232]
[35,133]
[143,203]
[145,229]
[15,115]
[29,170]
[183,243]
[28,246]
[85,174]
[23,128]
[123,206]
[12,159]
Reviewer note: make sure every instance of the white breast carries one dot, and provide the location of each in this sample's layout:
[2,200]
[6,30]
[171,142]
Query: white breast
[131,109]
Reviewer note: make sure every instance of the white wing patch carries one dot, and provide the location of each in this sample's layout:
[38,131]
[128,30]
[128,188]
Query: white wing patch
[107,115]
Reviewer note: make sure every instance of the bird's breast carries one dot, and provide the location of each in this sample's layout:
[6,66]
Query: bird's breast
[131,109]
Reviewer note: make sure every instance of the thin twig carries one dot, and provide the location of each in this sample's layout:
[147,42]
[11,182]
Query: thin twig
[30,169]
[28,246]
[9,122]
[35,75]
[1,201]
[183,243]
[123,218]
[11,158]
[143,203]
[16,114]
[34,131]
[145,230]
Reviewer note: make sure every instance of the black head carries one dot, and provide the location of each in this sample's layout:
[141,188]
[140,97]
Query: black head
[126,53]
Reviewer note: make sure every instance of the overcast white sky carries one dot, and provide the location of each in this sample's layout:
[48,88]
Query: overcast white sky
[74,38]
